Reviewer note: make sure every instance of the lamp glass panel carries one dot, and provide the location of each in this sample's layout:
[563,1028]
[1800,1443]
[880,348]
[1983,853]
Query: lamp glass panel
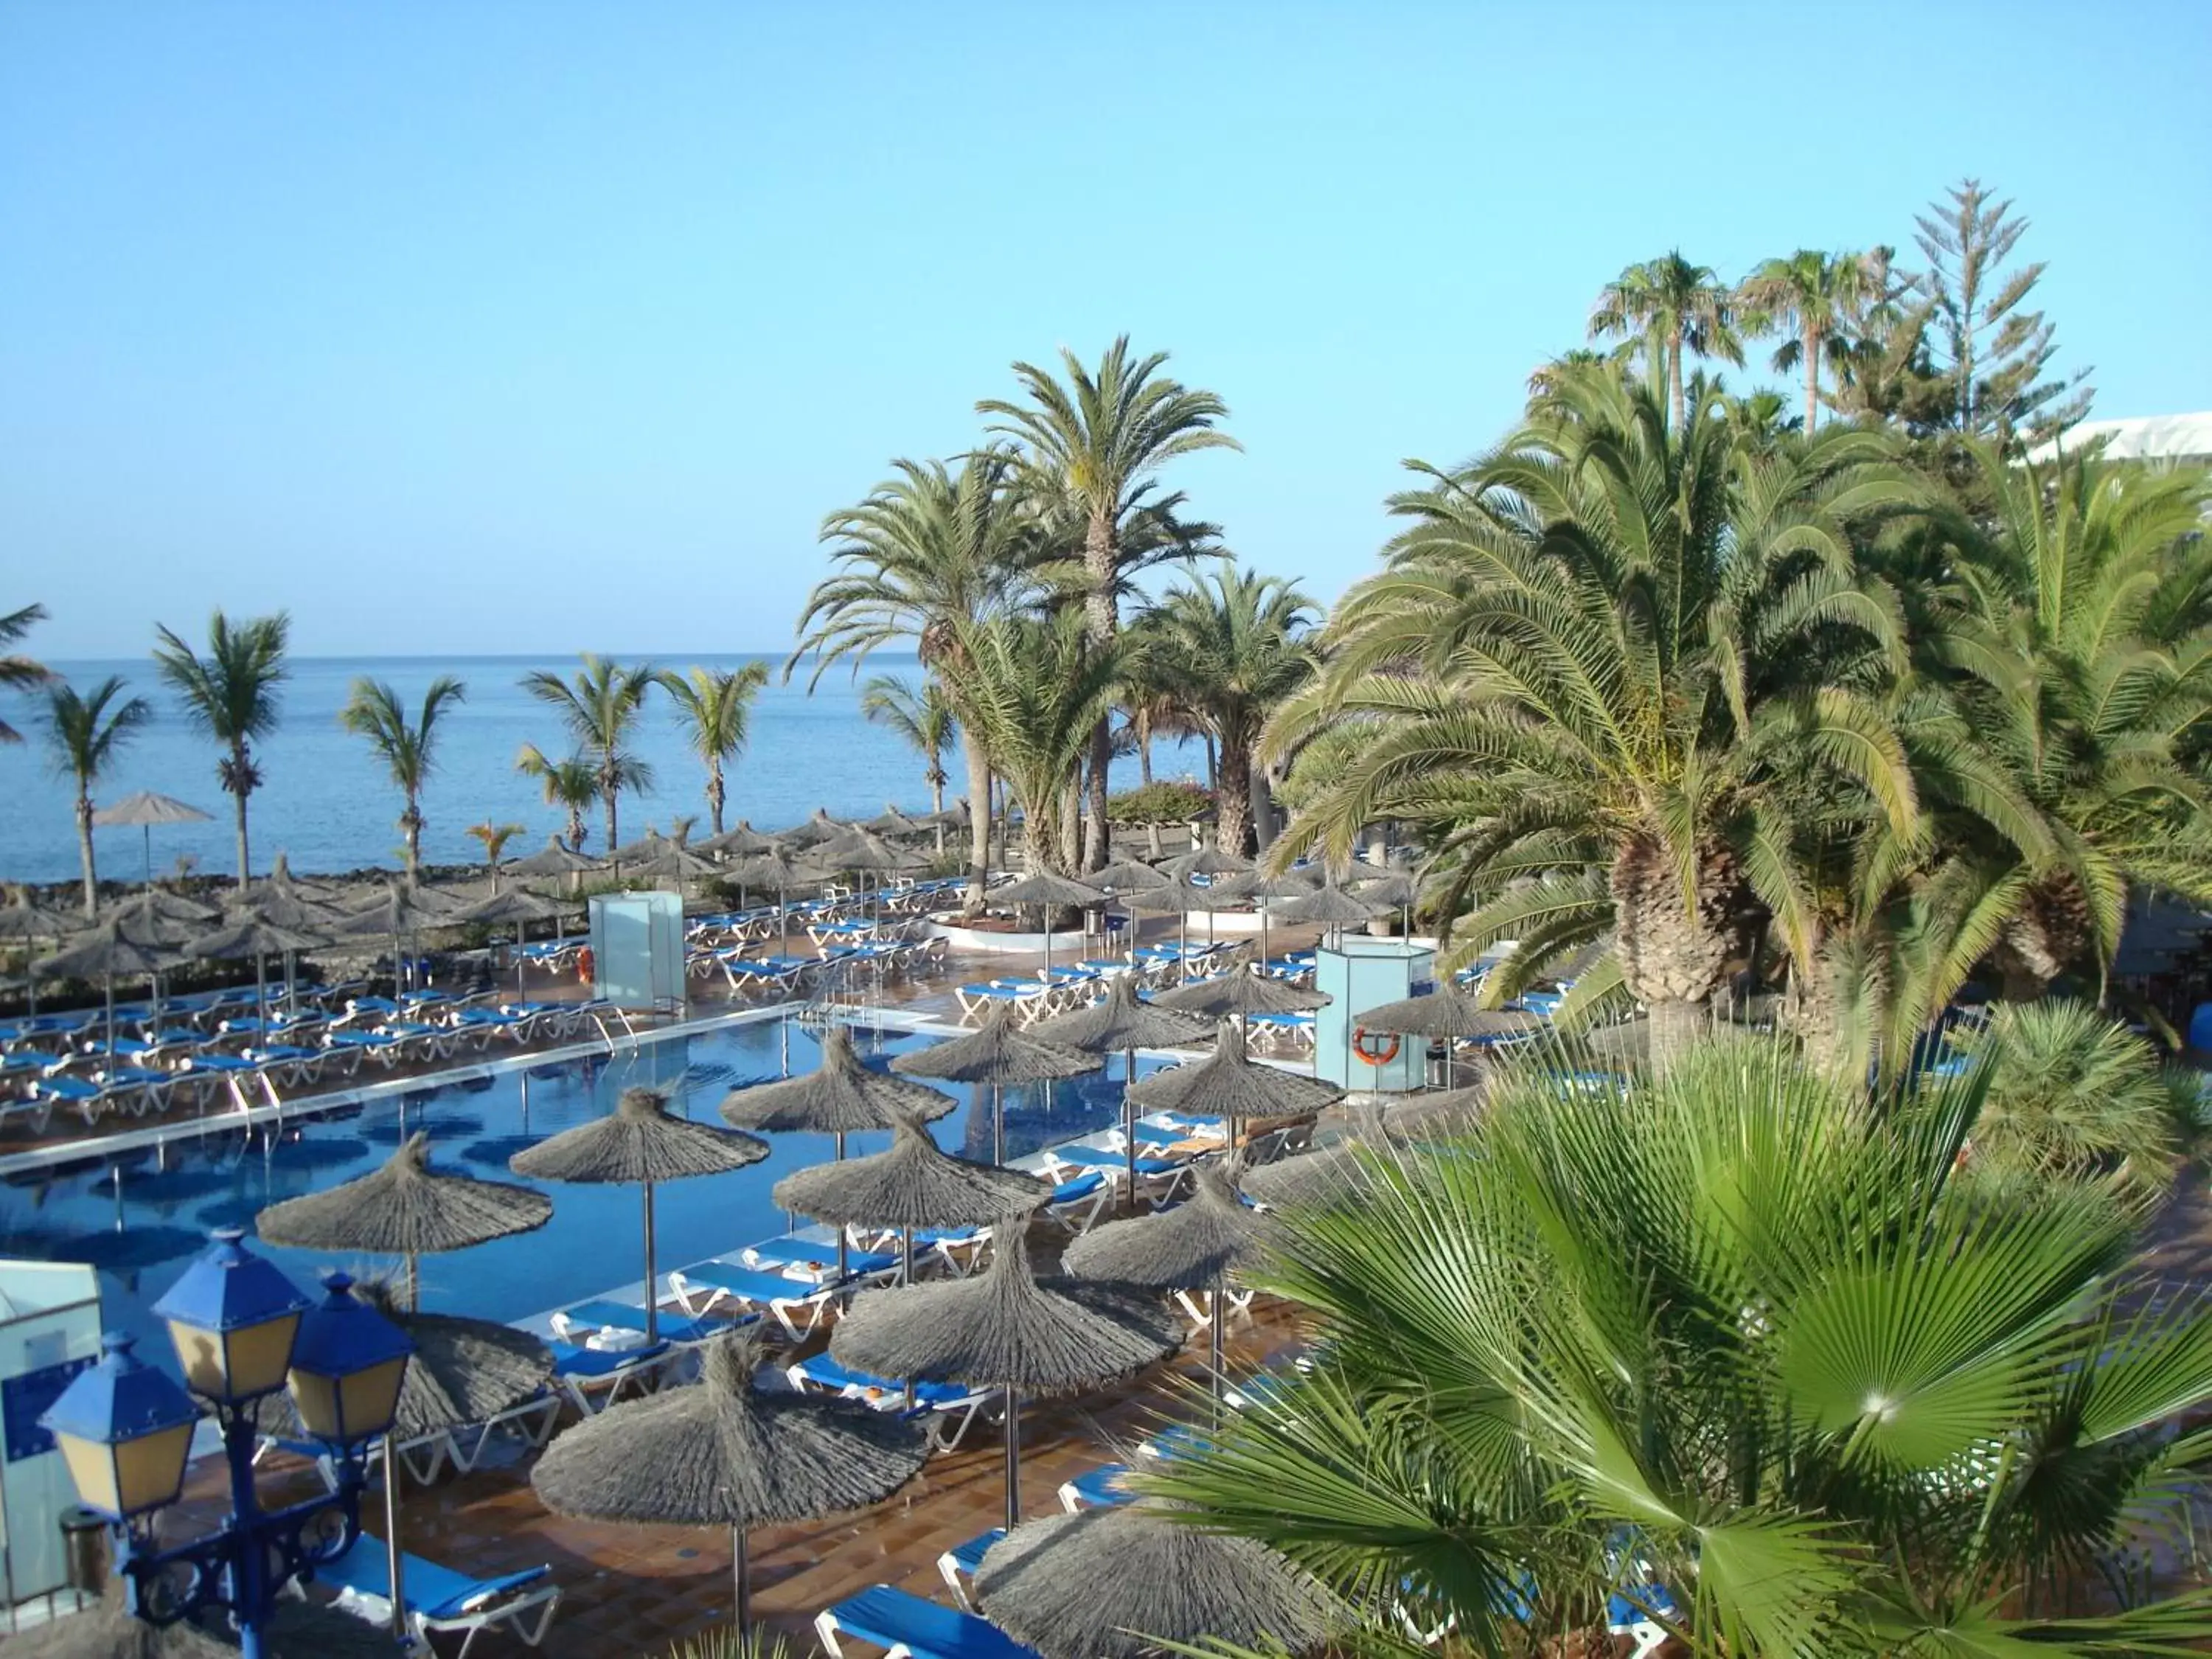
[260,1355]
[93,1472]
[351,1408]
[130,1477]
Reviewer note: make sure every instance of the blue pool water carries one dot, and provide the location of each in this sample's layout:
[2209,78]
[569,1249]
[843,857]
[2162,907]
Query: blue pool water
[139,1218]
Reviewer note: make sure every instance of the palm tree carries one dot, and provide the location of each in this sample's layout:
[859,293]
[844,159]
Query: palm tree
[929,552]
[572,784]
[231,695]
[19,674]
[1813,297]
[1239,645]
[85,732]
[493,838]
[1607,675]
[2072,634]
[1747,1341]
[1035,688]
[600,707]
[1095,445]
[407,748]
[923,718]
[1669,307]
[715,709]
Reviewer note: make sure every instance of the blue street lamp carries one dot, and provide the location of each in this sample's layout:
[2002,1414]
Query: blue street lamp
[242,1331]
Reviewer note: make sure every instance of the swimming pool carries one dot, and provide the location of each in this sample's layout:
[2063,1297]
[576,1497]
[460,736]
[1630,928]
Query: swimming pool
[139,1216]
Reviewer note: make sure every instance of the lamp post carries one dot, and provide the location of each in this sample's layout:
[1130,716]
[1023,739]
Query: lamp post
[242,1330]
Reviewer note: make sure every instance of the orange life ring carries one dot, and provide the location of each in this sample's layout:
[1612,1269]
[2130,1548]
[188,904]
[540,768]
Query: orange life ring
[1376,1047]
[585,963]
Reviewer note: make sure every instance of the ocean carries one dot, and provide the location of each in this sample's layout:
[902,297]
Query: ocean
[327,803]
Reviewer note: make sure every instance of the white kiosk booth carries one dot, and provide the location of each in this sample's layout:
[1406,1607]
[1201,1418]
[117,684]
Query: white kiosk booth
[49,1332]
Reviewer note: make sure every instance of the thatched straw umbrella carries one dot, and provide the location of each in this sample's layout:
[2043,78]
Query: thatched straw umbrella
[743,841]
[1259,885]
[913,1184]
[1207,861]
[108,1630]
[1393,889]
[25,919]
[1229,1083]
[893,821]
[1191,1246]
[519,906]
[1051,891]
[725,1454]
[1331,907]
[109,949]
[253,936]
[815,831]
[1119,1582]
[640,1142]
[144,810]
[1447,1012]
[840,1096]
[1123,1022]
[1241,992]
[997,1053]
[405,1208]
[776,867]
[555,858]
[1008,1329]
[1130,875]
[402,910]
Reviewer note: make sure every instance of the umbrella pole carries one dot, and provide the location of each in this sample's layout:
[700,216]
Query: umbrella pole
[740,1570]
[260,996]
[652,1302]
[108,979]
[844,1259]
[997,1125]
[146,831]
[1129,1122]
[906,1277]
[1215,1320]
[414,1284]
[395,1558]
[1013,1459]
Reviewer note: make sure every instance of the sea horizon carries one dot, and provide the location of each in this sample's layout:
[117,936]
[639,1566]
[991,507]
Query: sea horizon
[328,805]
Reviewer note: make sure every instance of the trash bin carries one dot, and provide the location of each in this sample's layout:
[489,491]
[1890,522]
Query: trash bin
[84,1549]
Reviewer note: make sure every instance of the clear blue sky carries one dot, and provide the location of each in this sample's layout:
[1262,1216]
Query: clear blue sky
[535,327]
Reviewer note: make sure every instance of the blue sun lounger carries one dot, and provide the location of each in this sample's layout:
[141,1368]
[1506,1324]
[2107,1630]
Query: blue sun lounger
[438,1599]
[946,1409]
[678,1329]
[902,1624]
[818,1255]
[797,1304]
[958,1565]
[1097,1489]
[593,1378]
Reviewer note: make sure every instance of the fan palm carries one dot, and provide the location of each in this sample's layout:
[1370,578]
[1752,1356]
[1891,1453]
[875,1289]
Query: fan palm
[921,717]
[1035,687]
[2075,642]
[1239,645]
[18,672]
[1095,445]
[492,838]
[1746,1341]
[599,708]
[231,696]
[85,731]
[407,747]
[571,783]
[1812,297]
[715,709]
[930,552]
[1669,307]
[1607,675]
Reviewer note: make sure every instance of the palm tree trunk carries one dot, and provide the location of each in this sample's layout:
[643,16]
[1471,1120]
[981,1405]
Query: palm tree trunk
[1144,750]
[1672,956]
[979,825]
[245,858]
[413,829]
[1232,800]
[1674,381]
[608,793]
[1212,765]
[1810,345]
[575,828]
[84,849]
[1100,621]
[716,793]
[1070,826]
